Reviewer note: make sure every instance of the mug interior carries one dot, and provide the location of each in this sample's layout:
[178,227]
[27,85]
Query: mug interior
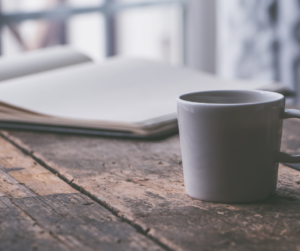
[231,97]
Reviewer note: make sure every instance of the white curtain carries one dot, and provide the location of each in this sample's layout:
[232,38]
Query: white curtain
[247,45]
[260,39]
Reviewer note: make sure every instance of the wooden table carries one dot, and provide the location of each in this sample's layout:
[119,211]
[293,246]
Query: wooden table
[61,192]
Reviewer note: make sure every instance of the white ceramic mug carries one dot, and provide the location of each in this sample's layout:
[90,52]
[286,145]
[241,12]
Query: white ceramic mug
[230,143]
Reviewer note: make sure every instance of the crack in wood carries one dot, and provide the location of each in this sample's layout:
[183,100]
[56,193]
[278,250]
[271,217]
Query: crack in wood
[7,170]
[88,203]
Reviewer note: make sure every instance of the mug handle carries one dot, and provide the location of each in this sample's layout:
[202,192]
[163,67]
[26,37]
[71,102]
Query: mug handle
[285,157]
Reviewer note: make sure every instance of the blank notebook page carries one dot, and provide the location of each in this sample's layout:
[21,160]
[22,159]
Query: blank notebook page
[119,90]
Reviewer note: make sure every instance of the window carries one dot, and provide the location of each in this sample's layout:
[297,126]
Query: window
[101,28]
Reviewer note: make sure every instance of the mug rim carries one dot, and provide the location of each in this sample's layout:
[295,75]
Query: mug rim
[279,97]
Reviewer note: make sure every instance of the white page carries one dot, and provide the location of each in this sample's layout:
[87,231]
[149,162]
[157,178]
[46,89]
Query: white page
[39,60]
[119,90]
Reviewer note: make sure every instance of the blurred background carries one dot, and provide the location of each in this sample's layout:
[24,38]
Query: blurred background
[246,39]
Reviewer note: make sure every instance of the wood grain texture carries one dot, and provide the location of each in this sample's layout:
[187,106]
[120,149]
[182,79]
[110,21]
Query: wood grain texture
[143,182]
[12,188]
[20,232]
[56,216]
[27,171]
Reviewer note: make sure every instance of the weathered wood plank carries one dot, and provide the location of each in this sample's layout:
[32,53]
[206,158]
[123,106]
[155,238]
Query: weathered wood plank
[70,217]
[143,182]
[83,224]
[27,171]
[19,232]
[12,188]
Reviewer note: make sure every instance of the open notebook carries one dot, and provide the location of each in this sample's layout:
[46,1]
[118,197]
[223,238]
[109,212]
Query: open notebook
[120,97]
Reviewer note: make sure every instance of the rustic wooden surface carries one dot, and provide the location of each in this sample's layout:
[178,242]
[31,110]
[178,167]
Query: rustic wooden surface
[142,183]
[39,211]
